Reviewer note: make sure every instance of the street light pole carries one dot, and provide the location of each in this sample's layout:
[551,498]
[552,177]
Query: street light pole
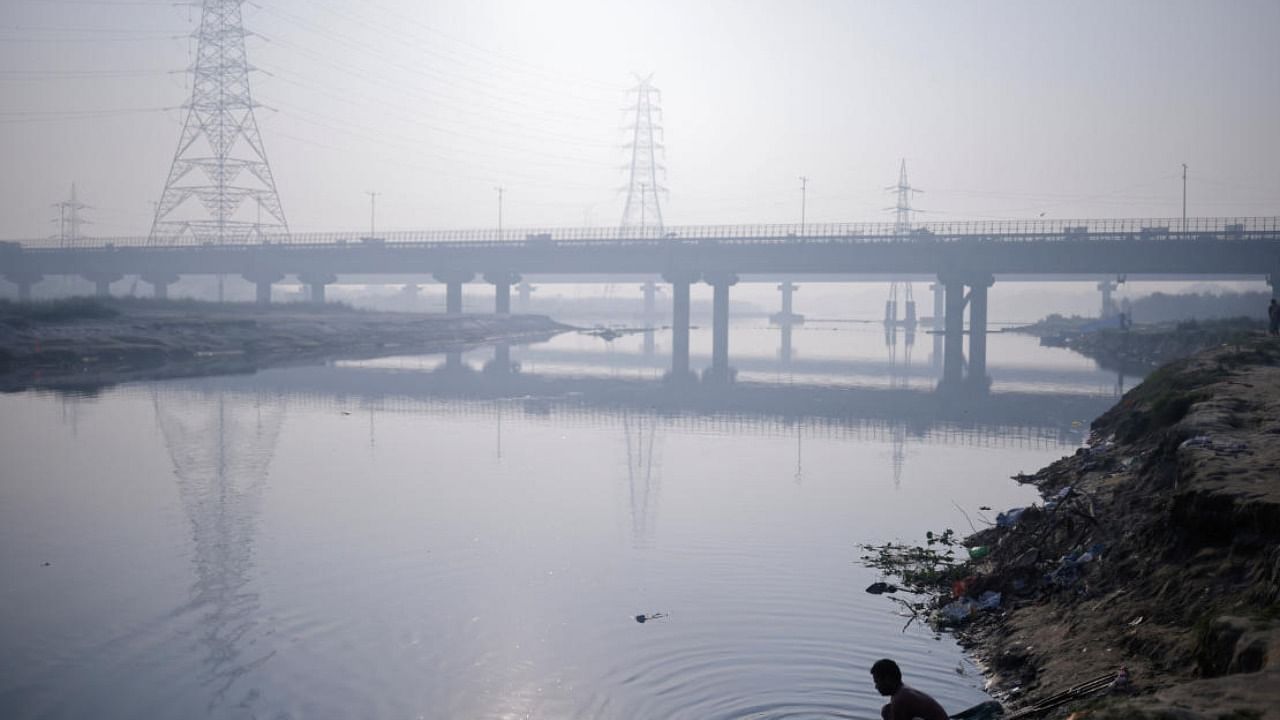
[501,190]
[373,197]
[1184,197]
[804,183]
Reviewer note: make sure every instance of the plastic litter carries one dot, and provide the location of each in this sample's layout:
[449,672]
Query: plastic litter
[1057,499]
[960,610]
[978,552]
[1009,518]
[989,600]
[1199,441]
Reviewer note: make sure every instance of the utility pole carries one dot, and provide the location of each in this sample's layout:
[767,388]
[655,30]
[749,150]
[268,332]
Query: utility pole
[1184,197]
[500,190]
[804,186]
[373,197]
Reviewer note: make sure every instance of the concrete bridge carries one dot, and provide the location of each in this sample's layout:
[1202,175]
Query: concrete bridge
[964,257]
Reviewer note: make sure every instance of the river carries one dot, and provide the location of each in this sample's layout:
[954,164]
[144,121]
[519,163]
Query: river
[472,536]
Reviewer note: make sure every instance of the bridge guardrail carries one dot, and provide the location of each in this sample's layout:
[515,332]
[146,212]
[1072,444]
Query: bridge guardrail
[993,231]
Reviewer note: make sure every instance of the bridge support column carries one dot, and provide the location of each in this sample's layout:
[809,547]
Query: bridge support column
[160,283]
[453,281]
[501,362]
[786,316]
[650,290]
[939,304]
[24,281]
[953,335]
[102,282]
[1274,281]
[523,292]
[784,352]
[502,282]
[315,283]
[720,284]
[1108,304]
[262,280]
[680,282]
[978,330]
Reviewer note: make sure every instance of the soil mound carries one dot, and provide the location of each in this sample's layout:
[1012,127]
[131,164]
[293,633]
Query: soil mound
[1157,549]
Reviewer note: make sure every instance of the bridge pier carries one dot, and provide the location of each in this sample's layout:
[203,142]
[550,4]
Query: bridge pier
[953,362]
[939,305]
[1107,287]
[501,362]
[160,283]
[680,282]
[784,351]
[453,281]
[24,281]
[315,283]
[650,291]
[102,282]
[953,333]
[720,284]
[262,281]
[523,292]
[502,282]
[978,331]
[786,316]
[1274,281]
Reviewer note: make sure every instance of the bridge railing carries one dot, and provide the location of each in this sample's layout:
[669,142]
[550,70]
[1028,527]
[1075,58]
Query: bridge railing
[992,230]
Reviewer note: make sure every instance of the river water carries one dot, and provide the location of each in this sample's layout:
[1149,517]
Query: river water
[472,536]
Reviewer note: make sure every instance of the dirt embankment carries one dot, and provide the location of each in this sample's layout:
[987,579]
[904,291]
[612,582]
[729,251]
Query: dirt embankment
[1142,347]
[97,343]
[1157,549]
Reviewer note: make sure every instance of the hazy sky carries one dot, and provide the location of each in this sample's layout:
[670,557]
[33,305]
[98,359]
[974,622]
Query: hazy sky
[1001,109]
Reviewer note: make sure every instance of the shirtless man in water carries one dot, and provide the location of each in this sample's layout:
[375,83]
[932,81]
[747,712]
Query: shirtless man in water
[905,703]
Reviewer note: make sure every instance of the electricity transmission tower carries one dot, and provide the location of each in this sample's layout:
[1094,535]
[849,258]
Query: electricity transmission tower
[902,210]
[69,220]
[901,226]
[220,162]
[643,211]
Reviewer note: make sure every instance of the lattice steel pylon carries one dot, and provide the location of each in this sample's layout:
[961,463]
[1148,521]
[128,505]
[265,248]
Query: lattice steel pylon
[220,162]
[643,212]
[902,209]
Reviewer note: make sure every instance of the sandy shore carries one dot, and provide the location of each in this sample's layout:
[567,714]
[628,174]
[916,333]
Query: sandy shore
[1156,550]
[92,344]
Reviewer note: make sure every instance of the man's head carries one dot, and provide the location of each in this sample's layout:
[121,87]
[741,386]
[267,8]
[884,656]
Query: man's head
[887,676]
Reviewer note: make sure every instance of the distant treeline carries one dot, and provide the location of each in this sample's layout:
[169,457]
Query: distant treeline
[1161,307]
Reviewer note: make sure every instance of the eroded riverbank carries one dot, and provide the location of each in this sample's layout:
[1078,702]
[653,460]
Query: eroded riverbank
[1156,550]
[93,343]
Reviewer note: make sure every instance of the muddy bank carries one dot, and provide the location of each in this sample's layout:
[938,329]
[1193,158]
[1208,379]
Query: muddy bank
[87,344]
[1141,347]
[1156,549]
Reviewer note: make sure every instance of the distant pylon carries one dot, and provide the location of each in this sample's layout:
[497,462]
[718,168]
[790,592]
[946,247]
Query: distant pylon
[901,226]
[220,161]
[69,220]
[643,211]
[902,209]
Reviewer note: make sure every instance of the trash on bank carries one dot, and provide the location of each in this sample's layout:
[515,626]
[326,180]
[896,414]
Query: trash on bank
[989,600]
[880,588]
[1199,441]
[1009,518]
[979,552]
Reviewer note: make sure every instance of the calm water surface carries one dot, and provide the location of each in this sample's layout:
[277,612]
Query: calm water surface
[465,537]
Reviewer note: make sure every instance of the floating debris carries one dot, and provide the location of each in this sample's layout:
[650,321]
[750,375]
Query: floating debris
[646,618]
